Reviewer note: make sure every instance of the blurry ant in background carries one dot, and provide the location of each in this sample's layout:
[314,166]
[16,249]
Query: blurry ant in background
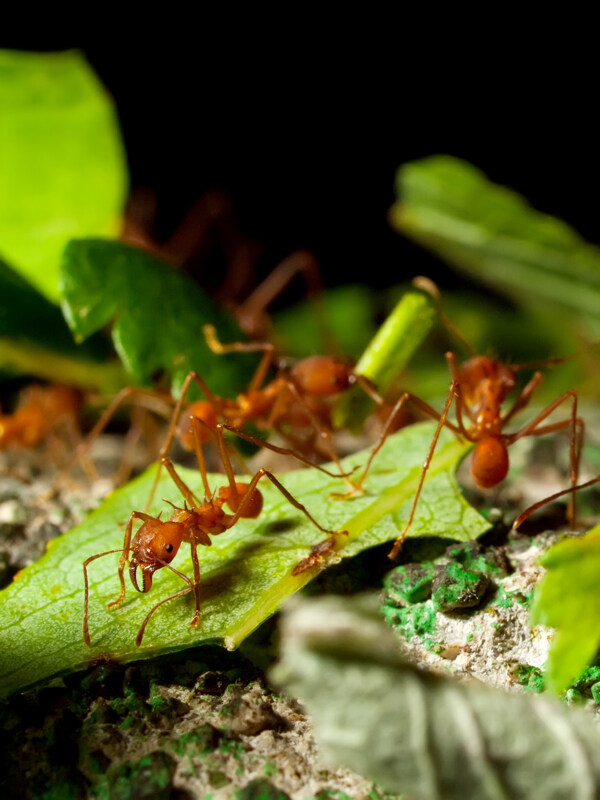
[44,415]
[212,220]
[156,542]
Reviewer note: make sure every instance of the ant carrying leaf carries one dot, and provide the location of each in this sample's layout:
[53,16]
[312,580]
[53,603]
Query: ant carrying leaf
[478,390]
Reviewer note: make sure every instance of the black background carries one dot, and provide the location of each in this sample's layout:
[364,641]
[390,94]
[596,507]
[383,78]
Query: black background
[305,135]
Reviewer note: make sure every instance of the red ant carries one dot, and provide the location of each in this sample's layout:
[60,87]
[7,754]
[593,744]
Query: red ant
[40,411]
[294,398]
[156,542]
[479,388]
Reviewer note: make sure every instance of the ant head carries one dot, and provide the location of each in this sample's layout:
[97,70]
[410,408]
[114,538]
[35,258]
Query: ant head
[154,546]
[481,369]
[323,376]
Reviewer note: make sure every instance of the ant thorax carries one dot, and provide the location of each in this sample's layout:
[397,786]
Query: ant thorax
[322,376]
[484,385]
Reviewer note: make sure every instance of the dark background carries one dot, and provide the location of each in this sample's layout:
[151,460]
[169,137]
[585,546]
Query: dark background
[305,136]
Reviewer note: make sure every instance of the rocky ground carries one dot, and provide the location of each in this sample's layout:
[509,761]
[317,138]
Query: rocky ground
[208,723]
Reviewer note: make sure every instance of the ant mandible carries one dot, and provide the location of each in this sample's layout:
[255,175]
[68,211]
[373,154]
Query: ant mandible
[156,542]
[478,389]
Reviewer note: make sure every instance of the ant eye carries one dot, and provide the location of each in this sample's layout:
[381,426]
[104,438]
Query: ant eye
[169,548]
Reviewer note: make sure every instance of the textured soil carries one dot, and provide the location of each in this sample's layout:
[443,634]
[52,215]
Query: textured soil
[207,723]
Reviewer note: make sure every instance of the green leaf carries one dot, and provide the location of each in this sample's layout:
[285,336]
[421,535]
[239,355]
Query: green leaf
[62,163]
[35,340]
[568,599]
[157,314]
[426,736]
[246,573]
[491,233]
[348,322]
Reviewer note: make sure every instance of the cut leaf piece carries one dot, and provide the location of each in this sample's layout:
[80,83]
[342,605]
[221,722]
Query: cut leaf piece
[157,314]
[62,162]
[568,598]
[494,235]
[426,736]
[35,340]
[245,574]
[388,353]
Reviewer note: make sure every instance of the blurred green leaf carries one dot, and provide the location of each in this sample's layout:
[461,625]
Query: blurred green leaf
[348,312]
[568,598]
[62,163]
[246,573]
[156,312]
[35,340]
[426,735]
[491,233]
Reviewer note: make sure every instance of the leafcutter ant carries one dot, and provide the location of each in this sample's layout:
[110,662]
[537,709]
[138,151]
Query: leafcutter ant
[296,399]
[40,410]
[156,542]
[478,390]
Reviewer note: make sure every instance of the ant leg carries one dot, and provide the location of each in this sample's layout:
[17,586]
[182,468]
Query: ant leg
[576,427]
[248,498]
[185,490]
[189,588]
[286,451]
[86,632]
[441,424]
[125,394]
[423,406]
[252,312]
[325,435]
[125,552]
[212,399]
[524,397]
[267,349]
[528,511]
[196,586]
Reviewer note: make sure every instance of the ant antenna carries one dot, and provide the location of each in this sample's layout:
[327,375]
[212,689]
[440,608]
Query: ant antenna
[427,285]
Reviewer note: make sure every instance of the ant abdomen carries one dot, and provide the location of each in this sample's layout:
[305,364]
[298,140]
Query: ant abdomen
[203,411]
[252,505]
[322,376]
[489,462]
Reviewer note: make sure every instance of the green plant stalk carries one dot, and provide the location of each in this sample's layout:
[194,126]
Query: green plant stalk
[29,359]
[388,353]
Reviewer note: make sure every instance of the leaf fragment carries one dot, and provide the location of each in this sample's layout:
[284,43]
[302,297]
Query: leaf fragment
[493,234]
[245,573]
[63,169]
[567,598]
[426,736]
[156,313]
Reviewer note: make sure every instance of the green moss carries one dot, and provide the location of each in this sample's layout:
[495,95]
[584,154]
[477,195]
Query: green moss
[218,779]
[150,778]
[270,768]
[458,587]
[531,678]
[413,621]
[260,789]
[408,584]
[198,741]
